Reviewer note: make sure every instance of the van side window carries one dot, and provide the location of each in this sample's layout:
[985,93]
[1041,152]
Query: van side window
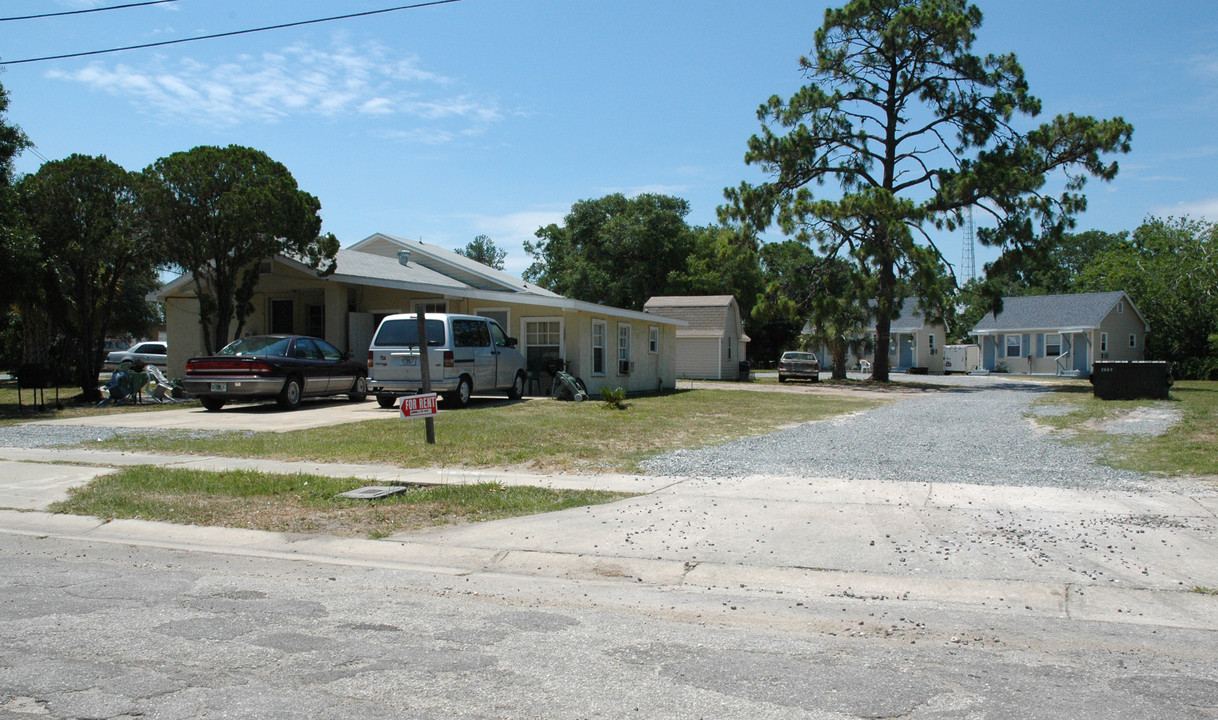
[497,335]
[470,333]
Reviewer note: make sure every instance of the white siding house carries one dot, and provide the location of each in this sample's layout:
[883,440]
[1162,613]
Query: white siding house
[711,344]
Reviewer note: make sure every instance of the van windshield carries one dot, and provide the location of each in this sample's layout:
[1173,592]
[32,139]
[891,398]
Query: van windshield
[405,332]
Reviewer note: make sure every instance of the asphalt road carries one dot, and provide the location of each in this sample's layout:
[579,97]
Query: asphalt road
[752,598]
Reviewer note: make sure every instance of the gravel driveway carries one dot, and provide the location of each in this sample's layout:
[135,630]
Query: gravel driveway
[977,434]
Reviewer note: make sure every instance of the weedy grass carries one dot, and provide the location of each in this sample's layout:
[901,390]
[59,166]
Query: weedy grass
[539,435]
[1185,449]
[306,503]
[71,404]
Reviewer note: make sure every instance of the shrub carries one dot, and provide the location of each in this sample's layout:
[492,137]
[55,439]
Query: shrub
[615,398]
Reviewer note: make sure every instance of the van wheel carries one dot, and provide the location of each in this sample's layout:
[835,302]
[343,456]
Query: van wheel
[517,390]
[460,397]
[289,397]
[385,400]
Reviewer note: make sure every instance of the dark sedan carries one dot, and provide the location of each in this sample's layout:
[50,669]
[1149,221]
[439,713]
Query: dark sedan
[287,368]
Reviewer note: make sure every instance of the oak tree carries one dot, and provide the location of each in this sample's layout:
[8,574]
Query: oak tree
[216,212]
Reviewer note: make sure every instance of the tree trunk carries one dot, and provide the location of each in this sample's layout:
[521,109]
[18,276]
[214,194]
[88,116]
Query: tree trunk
[883,321]
[840,353]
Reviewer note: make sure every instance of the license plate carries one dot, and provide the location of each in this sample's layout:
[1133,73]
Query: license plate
[408,361]
[219,387]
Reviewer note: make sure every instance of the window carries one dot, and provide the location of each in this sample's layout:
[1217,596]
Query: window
[315,320]
[623,349]
[499,316]
[1104,343]
[542,341]
[1133,341]
[429,306]
[653,340]
[1121,307]
[1013,346]
[930,343]
[599,332]
[1053,344]
[470,333]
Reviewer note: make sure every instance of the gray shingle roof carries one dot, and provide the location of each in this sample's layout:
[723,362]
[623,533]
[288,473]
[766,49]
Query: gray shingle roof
[706,315]
[1050,312]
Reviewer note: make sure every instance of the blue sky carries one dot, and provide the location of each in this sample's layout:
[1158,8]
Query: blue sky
[494,116]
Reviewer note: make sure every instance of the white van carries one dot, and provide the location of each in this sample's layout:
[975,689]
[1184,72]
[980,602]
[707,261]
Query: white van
[466,354]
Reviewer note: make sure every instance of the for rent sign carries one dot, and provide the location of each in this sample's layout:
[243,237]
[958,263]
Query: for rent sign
[419,406]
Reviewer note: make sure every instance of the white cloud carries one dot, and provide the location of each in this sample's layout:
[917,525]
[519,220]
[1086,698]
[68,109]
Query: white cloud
[1204,209]
[510,231]
[368,81]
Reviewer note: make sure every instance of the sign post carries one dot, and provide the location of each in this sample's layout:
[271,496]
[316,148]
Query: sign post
[425,377]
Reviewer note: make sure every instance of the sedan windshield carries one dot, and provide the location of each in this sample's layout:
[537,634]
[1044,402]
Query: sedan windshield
[257,345]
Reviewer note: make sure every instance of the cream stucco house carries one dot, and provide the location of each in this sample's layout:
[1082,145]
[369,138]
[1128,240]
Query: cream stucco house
[383,274]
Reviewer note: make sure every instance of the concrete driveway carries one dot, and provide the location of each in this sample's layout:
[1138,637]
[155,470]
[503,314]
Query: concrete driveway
[263,417]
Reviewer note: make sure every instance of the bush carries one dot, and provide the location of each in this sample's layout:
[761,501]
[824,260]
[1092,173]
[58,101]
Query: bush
[615,398]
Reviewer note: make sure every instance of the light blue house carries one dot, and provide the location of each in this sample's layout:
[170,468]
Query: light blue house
[1061,334]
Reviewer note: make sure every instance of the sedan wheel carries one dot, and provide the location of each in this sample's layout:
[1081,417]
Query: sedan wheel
[289,397]
[212,403]
[359,391]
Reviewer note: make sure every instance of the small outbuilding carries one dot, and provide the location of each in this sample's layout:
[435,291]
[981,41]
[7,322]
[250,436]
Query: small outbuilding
[711,344]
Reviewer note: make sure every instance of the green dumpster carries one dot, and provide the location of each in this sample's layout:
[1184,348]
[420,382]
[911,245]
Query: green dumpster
[1131,379]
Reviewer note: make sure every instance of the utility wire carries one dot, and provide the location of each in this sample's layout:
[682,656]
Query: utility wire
[233,33]
[90,10]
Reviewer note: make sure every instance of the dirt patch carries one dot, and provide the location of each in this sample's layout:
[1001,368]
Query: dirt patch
[865,389]
[1149,420]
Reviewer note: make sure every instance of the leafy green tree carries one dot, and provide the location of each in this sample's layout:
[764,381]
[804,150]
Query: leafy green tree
[1054,267]
[1169,267]
[722,261]
[615,250]
[12,142]
[913,129]
[216,212]
[88,261]
[484,250]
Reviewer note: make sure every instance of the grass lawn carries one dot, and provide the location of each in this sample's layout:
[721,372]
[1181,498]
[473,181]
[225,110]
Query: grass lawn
[543,436]
[70,405]
[1187,449]
[305,503]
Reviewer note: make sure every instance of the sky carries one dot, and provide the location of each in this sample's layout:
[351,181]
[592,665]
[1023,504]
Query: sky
[492,117]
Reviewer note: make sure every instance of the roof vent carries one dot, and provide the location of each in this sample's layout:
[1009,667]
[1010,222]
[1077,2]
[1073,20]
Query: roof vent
[266,267]
[403,257]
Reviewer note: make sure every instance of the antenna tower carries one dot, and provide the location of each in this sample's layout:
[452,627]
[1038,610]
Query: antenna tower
[968,266]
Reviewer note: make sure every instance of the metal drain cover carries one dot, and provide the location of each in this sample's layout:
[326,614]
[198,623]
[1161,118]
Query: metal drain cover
[374,492]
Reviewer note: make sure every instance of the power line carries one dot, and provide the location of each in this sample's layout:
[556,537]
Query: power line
[90,10]
[232,33]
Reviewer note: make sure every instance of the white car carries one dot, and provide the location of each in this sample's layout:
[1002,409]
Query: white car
[152,353]
[466,354]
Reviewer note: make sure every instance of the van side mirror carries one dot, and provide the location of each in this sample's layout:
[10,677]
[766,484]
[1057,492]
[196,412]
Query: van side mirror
[512,342]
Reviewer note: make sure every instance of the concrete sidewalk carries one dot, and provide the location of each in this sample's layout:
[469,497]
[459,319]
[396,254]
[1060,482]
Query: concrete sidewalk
[1084,555]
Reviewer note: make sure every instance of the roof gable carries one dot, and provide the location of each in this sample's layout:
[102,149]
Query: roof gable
[444,262]
[704,315]
[1082,311]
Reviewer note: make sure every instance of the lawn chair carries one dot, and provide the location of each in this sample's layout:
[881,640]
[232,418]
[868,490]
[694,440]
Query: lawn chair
[159,388]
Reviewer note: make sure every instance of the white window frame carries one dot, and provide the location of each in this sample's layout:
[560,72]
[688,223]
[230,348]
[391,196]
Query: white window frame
[1133,341]
[524,334]
[1103,342]
[416,303]
[1048,344]
[604,346]
[506,324]
[623,348]
[1006,345]
[653,340]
